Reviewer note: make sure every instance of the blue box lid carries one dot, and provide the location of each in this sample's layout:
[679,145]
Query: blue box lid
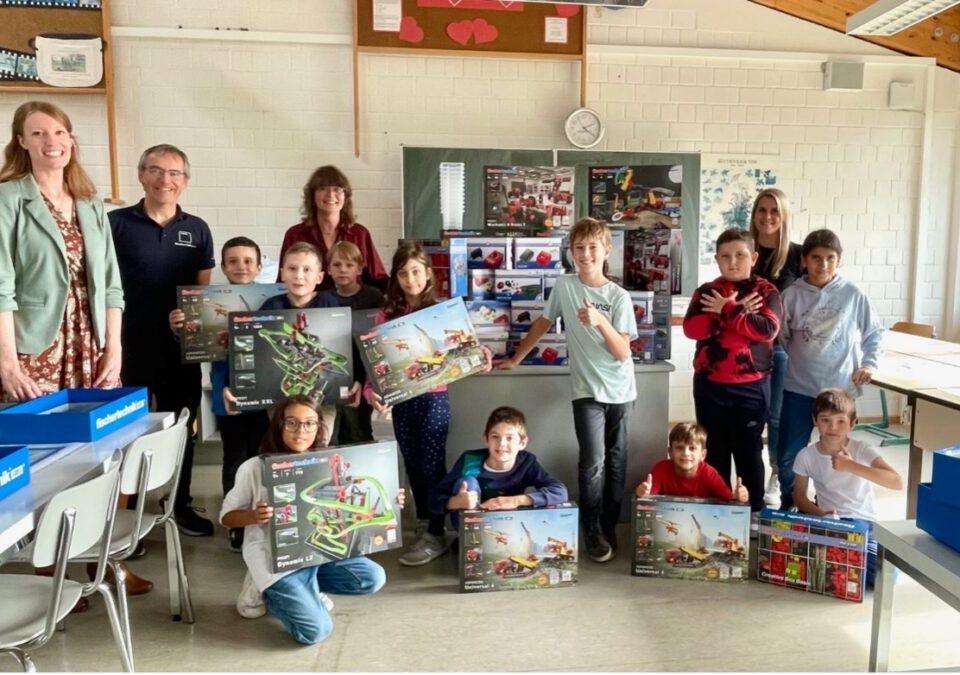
[72,415]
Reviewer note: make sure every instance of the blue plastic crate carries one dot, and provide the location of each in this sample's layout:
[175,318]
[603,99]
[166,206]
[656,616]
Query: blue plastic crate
[14,469]
[72,415]
[936,518]
[946,476]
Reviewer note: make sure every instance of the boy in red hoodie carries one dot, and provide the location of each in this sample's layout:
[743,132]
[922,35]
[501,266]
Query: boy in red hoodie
[734,319]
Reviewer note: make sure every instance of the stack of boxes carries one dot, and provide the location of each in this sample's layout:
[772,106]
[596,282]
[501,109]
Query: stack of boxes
[938,502]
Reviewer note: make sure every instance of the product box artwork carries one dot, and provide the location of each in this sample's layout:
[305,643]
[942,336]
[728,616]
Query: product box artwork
[14,469]
[280,353]
[332,504]
[489,253]
[809,553]
[518,285]
[523,549]
[537,252]
[486,313]
[72,415]
[689,538]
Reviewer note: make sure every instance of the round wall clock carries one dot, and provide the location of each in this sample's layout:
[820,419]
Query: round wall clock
[584,128]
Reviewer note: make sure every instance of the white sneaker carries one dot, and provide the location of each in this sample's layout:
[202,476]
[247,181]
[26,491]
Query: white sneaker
[250,601]
[772,495]
[427,549]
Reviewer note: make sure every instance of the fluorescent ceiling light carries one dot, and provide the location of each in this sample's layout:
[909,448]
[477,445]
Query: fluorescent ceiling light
[887,17]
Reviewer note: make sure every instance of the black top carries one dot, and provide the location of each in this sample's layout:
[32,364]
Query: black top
[283,302]
[153,261]
[368,297]
[791,271]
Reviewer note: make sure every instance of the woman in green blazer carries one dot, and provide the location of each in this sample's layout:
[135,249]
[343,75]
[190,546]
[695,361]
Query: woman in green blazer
[60,294]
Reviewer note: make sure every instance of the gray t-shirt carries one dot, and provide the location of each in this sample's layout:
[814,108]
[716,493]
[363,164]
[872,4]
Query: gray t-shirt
[594,373]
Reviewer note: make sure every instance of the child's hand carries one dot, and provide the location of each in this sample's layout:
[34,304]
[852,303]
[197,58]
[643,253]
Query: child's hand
[230,402]
[751,303]
[862,376]
[352,399]
[377,402]
[505,364]
[176,319]
[262,513]
[644,488]
[740,492]
[401,498]
[504,503]
[716,302]
[488,358]
[465,499]
[588,314]
[842,461]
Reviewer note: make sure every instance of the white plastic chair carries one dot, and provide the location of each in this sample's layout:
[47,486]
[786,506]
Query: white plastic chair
[73,521]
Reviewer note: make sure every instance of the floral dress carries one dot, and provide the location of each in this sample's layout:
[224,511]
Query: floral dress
[71,361]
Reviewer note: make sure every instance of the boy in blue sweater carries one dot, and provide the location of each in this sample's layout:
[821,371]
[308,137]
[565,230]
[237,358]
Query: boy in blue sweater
[496,478]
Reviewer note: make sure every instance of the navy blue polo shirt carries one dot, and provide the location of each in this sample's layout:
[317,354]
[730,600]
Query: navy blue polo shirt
[320,301]
[153,261]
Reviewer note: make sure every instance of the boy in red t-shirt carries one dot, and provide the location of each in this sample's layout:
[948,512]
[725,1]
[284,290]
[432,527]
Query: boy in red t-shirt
[686,474]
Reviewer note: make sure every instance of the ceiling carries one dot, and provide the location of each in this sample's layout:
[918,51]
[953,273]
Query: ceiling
[918,40]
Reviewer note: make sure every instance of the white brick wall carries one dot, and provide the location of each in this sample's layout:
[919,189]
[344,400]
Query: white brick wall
[256,118]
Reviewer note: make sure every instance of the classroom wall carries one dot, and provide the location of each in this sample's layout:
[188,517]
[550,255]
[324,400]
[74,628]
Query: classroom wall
[257,117]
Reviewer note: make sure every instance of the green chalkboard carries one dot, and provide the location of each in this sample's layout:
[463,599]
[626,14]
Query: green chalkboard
[421,184]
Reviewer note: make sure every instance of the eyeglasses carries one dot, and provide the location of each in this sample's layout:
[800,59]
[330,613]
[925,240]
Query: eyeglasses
[292,424]
[157,172]
[335,189]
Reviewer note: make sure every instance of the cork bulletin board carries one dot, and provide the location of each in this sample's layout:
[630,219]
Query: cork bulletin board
[486,26]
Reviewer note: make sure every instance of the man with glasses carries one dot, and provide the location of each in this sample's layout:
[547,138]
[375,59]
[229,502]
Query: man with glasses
[160,247]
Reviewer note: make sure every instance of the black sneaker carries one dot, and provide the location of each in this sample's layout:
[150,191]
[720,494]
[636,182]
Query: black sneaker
[194,525]
[598,548]
[235,536]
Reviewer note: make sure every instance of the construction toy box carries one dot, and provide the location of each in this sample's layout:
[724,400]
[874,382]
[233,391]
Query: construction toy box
[413,354]
[946,476]
[489,253]
[510,285]
[524,312]
[937,518]
[14,469]
[284,352]
[519,550]
[551,350]
[646,264]
[550,281]
[689,538]
[642,302]
[332,504]
[489,313]
[494,339]
[809,553]
[73,415]
[448,260]
[481,285]
[643,347]
[537,252]
[206,332]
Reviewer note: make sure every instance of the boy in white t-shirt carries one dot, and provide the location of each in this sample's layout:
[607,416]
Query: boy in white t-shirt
[843,469]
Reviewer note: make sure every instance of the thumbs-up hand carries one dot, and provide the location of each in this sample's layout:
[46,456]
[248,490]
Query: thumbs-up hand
[464,499]
[588,314]
[645,487]
[740,492]
[842,461]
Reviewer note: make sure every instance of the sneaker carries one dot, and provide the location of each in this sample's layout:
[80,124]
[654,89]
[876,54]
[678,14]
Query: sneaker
[428,548]
[772,495]
[235,536]
[250,601]
[194,525]
[598,548]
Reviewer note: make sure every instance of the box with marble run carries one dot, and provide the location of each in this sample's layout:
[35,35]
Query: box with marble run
[813,554]
[332,504]
[415,353]
[690,538]
[519,550]
[285,352]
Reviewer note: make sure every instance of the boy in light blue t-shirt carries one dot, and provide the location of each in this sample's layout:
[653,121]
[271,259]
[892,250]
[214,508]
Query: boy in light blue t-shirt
[599,323]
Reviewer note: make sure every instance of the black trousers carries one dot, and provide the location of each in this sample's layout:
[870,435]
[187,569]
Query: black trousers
[734,416]
[241,436]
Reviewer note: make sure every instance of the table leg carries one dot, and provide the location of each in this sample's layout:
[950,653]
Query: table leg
[882,609]
[915,463]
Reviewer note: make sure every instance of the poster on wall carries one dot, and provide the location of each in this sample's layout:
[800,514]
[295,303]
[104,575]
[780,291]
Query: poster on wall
[602,3]
[529,200]
[728,186]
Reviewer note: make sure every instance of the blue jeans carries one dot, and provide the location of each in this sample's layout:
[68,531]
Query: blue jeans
[603,430]
[295,599]
[796,423]
[776,402]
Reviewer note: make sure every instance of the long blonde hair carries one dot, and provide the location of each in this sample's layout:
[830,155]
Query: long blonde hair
[783,207]
[16,160]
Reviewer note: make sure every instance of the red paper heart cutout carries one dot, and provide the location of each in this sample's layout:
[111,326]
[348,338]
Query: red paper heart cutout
[410,31]
[567,10]
[461,31]
[484,32]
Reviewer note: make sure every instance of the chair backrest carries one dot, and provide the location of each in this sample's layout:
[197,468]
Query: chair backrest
[93,505]
[921,329]
[163,448]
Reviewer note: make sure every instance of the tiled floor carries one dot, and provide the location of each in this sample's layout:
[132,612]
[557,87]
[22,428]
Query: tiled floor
[610,621]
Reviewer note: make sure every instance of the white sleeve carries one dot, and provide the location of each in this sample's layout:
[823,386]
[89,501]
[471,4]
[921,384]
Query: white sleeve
[864,453]
[801,465]
[245,489]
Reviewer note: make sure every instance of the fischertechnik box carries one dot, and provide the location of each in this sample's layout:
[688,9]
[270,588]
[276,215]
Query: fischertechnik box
[937,518]
[519,550]
[14,469]
[689,538]
[809,553]
[332,504]
[72,415]
[946,476]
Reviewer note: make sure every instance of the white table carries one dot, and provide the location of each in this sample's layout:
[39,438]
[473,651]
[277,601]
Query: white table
[19,511]
[934,566]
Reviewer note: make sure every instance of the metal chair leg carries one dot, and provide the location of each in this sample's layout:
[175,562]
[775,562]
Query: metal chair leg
[123,608]
[183,584]
[170,531]
[23,658]
[126,658]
